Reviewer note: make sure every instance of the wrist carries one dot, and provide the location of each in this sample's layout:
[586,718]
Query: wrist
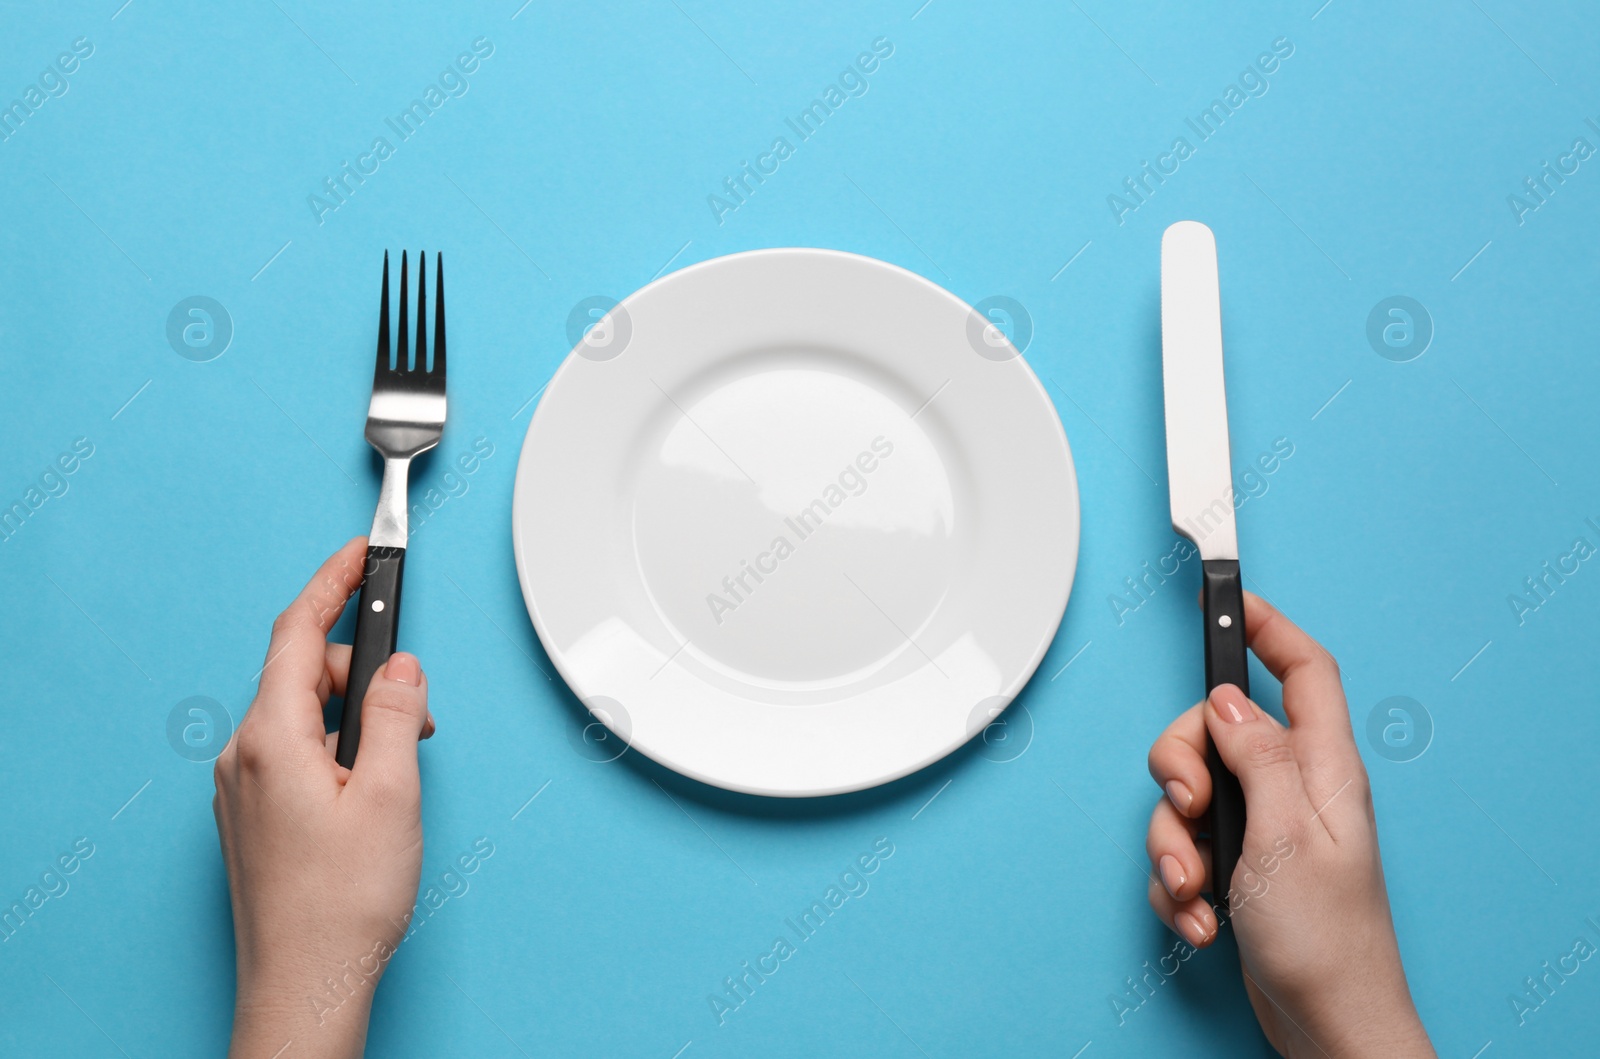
[1367,1029]
[324,1016]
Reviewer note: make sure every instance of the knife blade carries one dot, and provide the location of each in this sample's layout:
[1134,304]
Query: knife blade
[1200,484]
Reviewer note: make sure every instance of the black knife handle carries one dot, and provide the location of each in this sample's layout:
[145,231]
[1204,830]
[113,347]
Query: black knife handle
[1223,595]
[377,631]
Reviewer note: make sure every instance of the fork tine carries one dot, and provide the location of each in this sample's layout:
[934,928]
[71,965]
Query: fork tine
[422,313]
[383,322]
[402,362]
[438,316]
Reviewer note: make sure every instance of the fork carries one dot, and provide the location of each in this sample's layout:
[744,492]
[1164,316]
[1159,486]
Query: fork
[406,418]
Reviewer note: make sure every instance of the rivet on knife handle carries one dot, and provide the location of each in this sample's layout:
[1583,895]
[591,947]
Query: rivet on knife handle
[1223,604]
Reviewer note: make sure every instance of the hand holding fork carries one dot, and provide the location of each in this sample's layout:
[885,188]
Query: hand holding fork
[406,418]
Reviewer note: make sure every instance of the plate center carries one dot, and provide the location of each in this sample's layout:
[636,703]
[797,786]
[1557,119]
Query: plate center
[794,520]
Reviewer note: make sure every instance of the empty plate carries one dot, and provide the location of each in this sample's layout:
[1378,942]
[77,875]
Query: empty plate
[794,522]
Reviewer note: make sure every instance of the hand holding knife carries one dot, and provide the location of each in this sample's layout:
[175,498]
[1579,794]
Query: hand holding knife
[1200,476]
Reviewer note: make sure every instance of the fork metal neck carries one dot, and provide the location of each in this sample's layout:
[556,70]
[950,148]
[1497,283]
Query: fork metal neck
[389,524]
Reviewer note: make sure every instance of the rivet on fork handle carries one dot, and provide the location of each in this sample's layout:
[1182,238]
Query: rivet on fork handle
[377,633]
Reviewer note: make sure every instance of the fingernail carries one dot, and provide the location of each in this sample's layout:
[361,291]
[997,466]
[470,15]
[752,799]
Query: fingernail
[1231,704]
[404,668]
[1190,928]
[1180,796]
[1172,876]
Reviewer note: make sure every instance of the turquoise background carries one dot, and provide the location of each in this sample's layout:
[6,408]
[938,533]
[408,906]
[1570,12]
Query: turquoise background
[1418,497]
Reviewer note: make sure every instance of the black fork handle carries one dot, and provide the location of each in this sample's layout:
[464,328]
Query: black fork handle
[1223,597]
[377,632]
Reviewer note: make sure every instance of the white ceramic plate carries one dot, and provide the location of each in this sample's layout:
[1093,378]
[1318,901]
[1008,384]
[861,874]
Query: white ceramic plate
[795,522]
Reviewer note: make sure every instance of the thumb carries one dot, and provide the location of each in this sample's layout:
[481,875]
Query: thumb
[392,718]
[1257,750]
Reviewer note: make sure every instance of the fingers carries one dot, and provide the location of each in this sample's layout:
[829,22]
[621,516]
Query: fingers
[394,716]
[1313,696]
[1257,750]
[1194,920]
[335,670]
[297,665]
[1174,853]
[334,682]
[1178,763]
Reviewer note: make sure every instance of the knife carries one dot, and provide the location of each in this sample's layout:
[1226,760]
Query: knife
[1201,490]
